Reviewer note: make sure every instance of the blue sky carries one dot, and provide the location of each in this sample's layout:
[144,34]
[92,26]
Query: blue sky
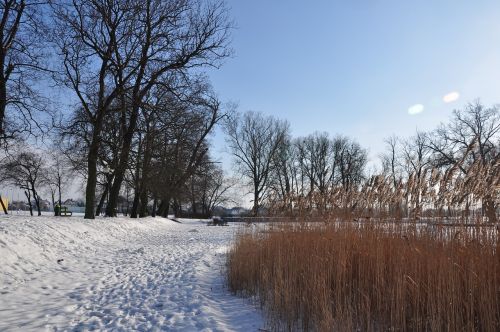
[355,67]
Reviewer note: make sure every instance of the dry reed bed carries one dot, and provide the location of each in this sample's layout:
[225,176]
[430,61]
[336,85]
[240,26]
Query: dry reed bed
[347,276]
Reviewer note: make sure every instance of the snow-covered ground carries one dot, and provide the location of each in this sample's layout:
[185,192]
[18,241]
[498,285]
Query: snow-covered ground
[117,274]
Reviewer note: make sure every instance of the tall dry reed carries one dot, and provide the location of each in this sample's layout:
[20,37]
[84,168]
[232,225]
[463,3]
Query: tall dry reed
[349,276]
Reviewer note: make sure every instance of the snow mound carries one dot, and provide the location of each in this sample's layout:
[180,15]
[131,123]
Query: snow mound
[117,274]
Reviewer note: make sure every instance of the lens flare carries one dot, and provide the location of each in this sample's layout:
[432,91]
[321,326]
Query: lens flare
[451,97]
[416,109]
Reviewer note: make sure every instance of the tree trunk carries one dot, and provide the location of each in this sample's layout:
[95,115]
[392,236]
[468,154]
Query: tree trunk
[155,202]
[115,190]
[143,212]
[194,211]
[92,175]
[489,209]
[137,180]
[122,164]
[128,202]
[176,208]
[467,211]
[36,197]
[164,207]
[37,202]
[53,197]
[102,199]
[160,208]
[28,196]
[255,203]
[59,189]
[3,99]
[205,210]
[135,204]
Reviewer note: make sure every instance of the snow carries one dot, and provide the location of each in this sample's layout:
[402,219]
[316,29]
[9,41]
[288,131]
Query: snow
[123,274]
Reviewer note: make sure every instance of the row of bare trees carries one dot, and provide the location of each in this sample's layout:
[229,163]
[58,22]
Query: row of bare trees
[36,172]
[134,63]
[278,167]
[453,171]
[454,167]
[141,108]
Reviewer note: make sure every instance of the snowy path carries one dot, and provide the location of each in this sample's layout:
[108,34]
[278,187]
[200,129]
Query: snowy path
[118,274]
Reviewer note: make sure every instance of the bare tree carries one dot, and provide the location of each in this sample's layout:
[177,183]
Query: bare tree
[115,52]
[4,207]
[87,33]
[470,142]
[349,161]
[208,188]
[21,64]
[25,170]
[315,160]
[417,158]
[172,37]
[391,168]
[57,175]
[254,140]
[285,183]
[390,159]
[183,145]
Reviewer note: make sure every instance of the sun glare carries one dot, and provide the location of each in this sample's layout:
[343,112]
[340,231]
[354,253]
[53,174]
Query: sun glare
[451,97]
[416,109]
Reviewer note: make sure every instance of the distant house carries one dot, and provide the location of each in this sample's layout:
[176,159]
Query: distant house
[18,205]
[45,205]
[69,202]
[74,205]
[230,212]
[239,211]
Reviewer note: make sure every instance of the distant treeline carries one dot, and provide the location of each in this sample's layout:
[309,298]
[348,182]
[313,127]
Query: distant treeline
[450,172]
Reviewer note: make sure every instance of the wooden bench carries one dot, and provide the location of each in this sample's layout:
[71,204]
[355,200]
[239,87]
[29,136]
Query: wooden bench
[64,212]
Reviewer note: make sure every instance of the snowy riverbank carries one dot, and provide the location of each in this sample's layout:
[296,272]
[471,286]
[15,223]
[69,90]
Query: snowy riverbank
[117,274]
